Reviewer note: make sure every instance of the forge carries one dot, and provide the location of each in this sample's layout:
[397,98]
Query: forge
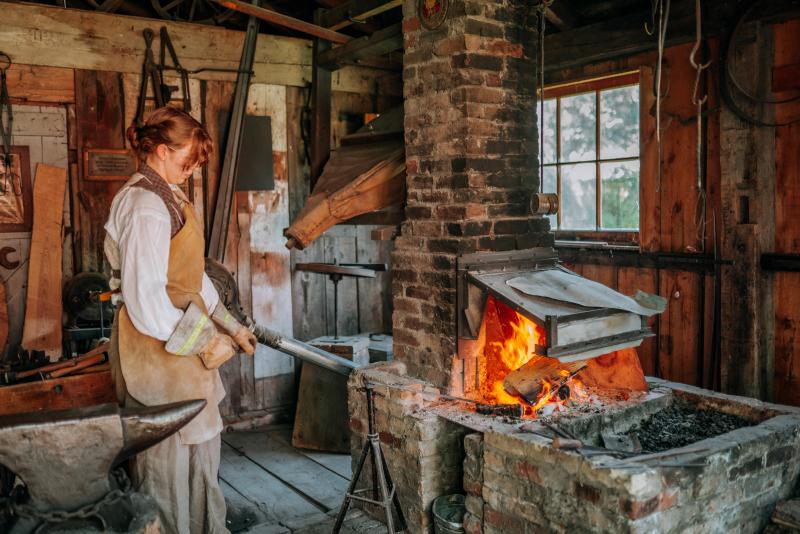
[517,382]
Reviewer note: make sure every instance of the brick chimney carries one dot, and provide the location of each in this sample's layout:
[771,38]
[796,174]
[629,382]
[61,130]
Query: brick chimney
[472,165]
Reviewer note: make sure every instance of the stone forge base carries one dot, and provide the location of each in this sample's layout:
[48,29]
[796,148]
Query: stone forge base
[516,482]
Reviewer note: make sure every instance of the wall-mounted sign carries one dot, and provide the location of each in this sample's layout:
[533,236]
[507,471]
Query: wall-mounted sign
[432,12]
[104,164]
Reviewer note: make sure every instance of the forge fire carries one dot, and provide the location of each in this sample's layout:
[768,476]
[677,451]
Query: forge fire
[512,374]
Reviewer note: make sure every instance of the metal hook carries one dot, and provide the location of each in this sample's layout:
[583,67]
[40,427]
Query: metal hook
[652,27]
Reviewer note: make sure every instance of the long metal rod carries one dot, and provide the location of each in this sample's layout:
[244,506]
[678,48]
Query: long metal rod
[303,351]
[222,210]
[285,21]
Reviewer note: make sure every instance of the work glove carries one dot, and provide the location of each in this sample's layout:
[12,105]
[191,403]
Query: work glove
[217,351]
[196,335]
[226,322]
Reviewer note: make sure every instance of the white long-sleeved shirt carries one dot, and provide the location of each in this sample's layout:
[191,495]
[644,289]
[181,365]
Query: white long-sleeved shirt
[139,223]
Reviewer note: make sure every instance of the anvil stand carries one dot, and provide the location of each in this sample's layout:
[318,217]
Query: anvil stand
[337,271]
[382,486]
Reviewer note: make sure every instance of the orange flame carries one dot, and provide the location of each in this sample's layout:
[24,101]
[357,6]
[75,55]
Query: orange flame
[520,337]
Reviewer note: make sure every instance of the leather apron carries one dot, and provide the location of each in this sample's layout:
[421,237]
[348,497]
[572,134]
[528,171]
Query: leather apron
[152,375]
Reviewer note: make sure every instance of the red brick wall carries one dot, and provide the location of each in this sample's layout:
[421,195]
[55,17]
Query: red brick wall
[471,155]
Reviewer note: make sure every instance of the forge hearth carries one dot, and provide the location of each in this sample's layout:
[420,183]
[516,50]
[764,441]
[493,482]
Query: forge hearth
[517,481]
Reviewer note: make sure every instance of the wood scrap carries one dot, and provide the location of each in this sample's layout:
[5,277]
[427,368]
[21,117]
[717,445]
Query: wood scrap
[528,380]
[77,365]
[43,308]
[100,368]
[99,350]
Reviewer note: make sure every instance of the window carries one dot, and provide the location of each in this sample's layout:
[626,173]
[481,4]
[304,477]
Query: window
[590,155]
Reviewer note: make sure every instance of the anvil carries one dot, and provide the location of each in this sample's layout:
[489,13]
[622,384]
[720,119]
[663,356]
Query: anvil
[64,457]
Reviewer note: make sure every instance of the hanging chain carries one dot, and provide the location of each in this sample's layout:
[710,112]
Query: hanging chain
[88,512]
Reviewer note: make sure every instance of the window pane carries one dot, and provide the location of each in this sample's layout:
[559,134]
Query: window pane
[578,197]
[620,190]
[619,122]
[550,185]
[578,132]
[549,136]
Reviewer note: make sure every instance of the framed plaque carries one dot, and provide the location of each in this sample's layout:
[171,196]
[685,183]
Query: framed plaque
[108,164]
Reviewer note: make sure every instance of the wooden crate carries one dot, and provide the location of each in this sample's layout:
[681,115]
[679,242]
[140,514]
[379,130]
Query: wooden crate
[57,394]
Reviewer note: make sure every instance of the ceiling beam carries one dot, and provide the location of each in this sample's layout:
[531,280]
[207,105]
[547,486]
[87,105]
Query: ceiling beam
[560,15]
[286,21]
[381,42]
[345,14]
[625,35]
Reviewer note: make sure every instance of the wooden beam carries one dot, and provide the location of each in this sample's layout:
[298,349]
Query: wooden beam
[321,110]
[624,36]
[286,21]
[101,41]
[343,15]
[377,44]
[90,35]
[560,15]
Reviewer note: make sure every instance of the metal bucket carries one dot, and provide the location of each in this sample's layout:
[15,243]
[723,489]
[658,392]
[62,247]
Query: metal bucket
[448,514]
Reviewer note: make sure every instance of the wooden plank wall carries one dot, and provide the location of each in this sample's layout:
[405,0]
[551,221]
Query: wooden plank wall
[680,350]
[787,231]
[760,310]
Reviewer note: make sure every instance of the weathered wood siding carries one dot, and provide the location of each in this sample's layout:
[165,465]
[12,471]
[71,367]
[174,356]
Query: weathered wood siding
[87,98]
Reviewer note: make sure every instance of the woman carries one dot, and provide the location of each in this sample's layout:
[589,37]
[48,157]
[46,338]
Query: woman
[164,347]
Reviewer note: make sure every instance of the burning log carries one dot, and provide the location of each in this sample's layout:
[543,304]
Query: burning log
[508,410]
[529,380]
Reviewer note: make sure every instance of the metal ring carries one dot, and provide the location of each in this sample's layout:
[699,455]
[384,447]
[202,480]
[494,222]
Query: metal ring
[7,61]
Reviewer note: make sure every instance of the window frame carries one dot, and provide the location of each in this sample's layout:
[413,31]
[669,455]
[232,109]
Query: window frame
[594,85]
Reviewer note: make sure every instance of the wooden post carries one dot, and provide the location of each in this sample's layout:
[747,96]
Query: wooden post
[321,109]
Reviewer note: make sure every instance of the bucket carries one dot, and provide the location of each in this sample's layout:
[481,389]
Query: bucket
[448,514]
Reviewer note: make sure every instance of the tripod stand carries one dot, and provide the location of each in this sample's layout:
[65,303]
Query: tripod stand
[382,480]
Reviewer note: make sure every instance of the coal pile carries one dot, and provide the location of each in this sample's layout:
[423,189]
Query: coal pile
[680,425]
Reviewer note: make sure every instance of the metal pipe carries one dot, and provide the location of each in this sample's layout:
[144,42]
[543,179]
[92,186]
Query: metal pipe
[303,351]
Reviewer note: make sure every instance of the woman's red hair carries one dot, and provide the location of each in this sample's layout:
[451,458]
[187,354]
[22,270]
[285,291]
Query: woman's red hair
[175,128]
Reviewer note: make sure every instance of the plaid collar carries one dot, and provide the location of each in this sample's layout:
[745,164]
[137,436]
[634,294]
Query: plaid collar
[155,183]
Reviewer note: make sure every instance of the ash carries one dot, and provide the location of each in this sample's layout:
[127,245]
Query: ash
[682,424]
[595,401]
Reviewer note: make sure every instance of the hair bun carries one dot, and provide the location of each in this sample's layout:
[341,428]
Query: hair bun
[133,133]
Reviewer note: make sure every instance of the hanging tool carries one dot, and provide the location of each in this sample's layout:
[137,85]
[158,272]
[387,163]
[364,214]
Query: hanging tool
[153,74]
[150,75]
[222,209]
[166,45]
[700,210]
[6,117]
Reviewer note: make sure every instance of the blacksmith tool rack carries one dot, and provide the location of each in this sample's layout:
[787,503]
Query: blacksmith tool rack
[337,271]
